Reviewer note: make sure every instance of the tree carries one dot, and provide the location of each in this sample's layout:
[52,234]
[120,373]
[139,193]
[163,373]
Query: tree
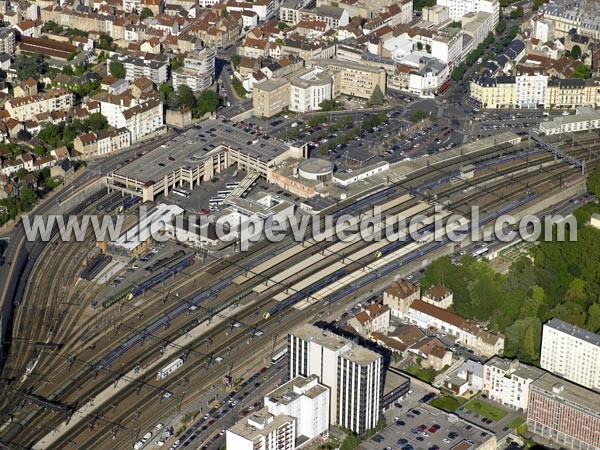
[455,25]
[501,27]
[177,62]
[235,61]
[329,105]
[419,115]
[186,96]
[428,48]
[105,42]
[146,12]
[419,46]
[582,71]
[164,90]
[377,97]
[173,100]
[529,350]
[67,70]
[117,69]
[459,72]
[208,102]
[593,182]
[27,198]
[517,12]
[593,320]
[282,26]
[23,135]
[30,67]
[576,52]
[96,121]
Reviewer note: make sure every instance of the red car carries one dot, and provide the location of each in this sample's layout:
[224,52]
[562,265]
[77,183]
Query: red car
[422,427]
[263,370]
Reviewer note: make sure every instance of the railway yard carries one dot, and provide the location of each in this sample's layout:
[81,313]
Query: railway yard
[85,377]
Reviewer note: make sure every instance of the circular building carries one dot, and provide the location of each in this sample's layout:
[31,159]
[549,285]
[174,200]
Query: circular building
[316,169]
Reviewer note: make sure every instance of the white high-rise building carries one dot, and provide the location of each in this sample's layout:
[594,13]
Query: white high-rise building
[571,352]
[458,8]
[307,401]
[263,431]
[198,72]
[353,373]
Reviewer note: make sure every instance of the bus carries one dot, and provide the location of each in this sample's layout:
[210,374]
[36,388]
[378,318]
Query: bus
[215,201]
[181,192]
[480,252]
[232,185]
[279,355]
[224,193]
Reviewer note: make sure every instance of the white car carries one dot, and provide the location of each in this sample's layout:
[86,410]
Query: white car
[160,443]
[147,437]
[138,445]
[158,426]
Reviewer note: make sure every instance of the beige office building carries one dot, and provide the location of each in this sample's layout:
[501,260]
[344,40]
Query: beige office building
[357,80]
[271,97]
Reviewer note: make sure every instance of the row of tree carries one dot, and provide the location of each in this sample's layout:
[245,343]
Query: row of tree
[56,135]
[205,102]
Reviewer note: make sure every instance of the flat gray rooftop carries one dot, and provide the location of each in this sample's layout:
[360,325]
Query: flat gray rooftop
[193,147]
[571,392]
[573,330]
[322,337]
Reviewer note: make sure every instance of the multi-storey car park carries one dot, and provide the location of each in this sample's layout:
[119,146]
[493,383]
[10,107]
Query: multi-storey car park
[137,342]
[197,156]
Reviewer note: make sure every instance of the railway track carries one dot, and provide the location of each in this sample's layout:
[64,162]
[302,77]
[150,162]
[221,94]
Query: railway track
[546,176]
[194,372]
[415,180]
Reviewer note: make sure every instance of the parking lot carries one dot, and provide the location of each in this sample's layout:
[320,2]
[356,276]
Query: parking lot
[424,427]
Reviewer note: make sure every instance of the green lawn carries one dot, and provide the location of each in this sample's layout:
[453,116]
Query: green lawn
[426,375]
[485,410]
[446,403]
[516,423]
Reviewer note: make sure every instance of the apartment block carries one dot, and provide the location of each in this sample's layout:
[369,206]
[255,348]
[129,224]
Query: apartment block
[102,143]
[353,373]
[7,41]
[263,431]
[568,93]
[467,333]
[356,80]
[306,400]
[198,72]
[374,318]
[564,413]
[26,108]
[571,352]
[155,70]
[438,295]
[507,381]
[144,119]
[564,15]
[477,26]
[271,97]
[459,8]
[399,296]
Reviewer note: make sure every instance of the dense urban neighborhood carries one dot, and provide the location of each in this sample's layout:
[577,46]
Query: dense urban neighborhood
[300,224]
